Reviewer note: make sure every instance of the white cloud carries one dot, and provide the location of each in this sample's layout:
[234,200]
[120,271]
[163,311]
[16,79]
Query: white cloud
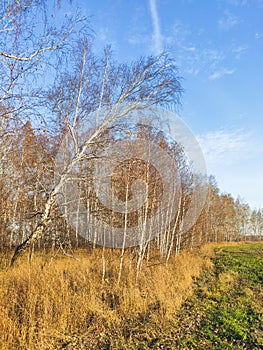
[238,2]
[157,37]
[221,73]
[138,39]
[239,51]
[228,21]
[190,48]
[192,71]
[197,56]
[225,147]
[234,158]
[192,56]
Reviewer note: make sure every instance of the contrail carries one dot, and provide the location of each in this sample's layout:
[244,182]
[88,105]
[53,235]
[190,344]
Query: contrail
[157,37]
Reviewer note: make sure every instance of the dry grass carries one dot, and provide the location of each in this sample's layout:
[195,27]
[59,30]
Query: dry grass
[56,303]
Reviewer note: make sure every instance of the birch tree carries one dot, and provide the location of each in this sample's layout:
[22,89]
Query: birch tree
[94,83]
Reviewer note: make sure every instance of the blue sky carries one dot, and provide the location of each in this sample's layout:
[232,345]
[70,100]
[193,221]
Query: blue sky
[218,47]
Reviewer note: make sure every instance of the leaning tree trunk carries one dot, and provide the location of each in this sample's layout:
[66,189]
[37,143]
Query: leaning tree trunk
[38,231]
[45,217]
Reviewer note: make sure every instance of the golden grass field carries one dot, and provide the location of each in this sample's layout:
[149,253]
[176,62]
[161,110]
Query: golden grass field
[56,302]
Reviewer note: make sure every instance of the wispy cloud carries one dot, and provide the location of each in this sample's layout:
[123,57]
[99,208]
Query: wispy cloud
[239,51]
[157,37]
[238,2]
[230,155]
[224,146]
[194,56]
[190,49]
[138,39]
[228,21]
[221,73]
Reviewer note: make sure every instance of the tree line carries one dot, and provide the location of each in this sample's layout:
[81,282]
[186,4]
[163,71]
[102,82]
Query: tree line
[51,80]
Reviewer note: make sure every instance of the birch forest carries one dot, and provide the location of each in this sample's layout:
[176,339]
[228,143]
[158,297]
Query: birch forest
[112,233]
[51,80]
